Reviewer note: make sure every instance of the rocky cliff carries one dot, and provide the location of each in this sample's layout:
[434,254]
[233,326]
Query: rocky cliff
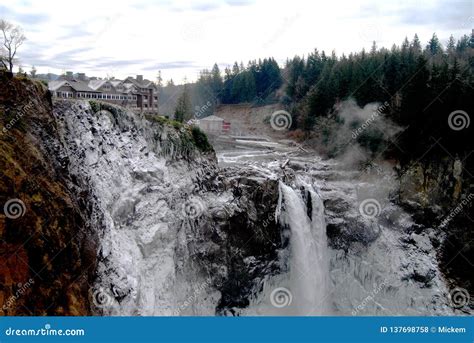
[47,247]
[440,193]
[122,214]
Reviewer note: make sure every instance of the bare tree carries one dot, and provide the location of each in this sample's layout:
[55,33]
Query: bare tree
[11,38]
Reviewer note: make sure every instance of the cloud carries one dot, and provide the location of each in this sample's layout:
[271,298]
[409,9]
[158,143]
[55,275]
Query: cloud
[239,2]
[142,36]
[205,6]
[171,65]
[113,63]
[447,15]
[24,18]
[71,32]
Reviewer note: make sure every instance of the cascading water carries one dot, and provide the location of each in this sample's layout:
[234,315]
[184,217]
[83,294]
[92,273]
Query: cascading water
[157,258]
[304,289]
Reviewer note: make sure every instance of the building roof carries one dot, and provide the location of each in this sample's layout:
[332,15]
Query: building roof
[115,83]
[96,84]
[92,85]
[53,85]
[77,85]
[143,84]
[129,88]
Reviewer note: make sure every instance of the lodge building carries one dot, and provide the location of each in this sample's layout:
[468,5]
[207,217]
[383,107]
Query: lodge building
[135,93]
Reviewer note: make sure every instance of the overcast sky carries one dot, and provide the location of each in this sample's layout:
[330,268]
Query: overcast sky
[124,37]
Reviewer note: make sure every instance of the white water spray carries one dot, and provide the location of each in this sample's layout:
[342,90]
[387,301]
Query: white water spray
[304,290]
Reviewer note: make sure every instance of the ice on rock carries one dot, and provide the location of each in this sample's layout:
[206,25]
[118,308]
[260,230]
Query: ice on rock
[158,256]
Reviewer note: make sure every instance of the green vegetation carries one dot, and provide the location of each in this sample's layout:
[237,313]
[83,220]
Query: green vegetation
[200,139]
[187,139]
[182,111]
[256,82]
[98,106]
[421,86]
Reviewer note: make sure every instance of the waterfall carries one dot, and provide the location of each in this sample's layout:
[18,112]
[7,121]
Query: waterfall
[304,289]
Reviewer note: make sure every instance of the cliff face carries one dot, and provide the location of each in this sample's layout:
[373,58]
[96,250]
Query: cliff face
[176,237]
[111,213]
[440,193]
[47,249]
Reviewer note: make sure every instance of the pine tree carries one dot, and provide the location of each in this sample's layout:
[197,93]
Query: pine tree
[451,46]
[434,46]
[182,111]
[33,72]
[159,80]
[216,80]
[415,45]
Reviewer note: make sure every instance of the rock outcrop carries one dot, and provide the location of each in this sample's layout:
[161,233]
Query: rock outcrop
[47,246]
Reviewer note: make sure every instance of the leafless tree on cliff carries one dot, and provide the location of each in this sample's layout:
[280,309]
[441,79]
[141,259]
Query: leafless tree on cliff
[11,38]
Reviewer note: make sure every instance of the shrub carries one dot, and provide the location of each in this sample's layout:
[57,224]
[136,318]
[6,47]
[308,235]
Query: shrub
[200,139]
